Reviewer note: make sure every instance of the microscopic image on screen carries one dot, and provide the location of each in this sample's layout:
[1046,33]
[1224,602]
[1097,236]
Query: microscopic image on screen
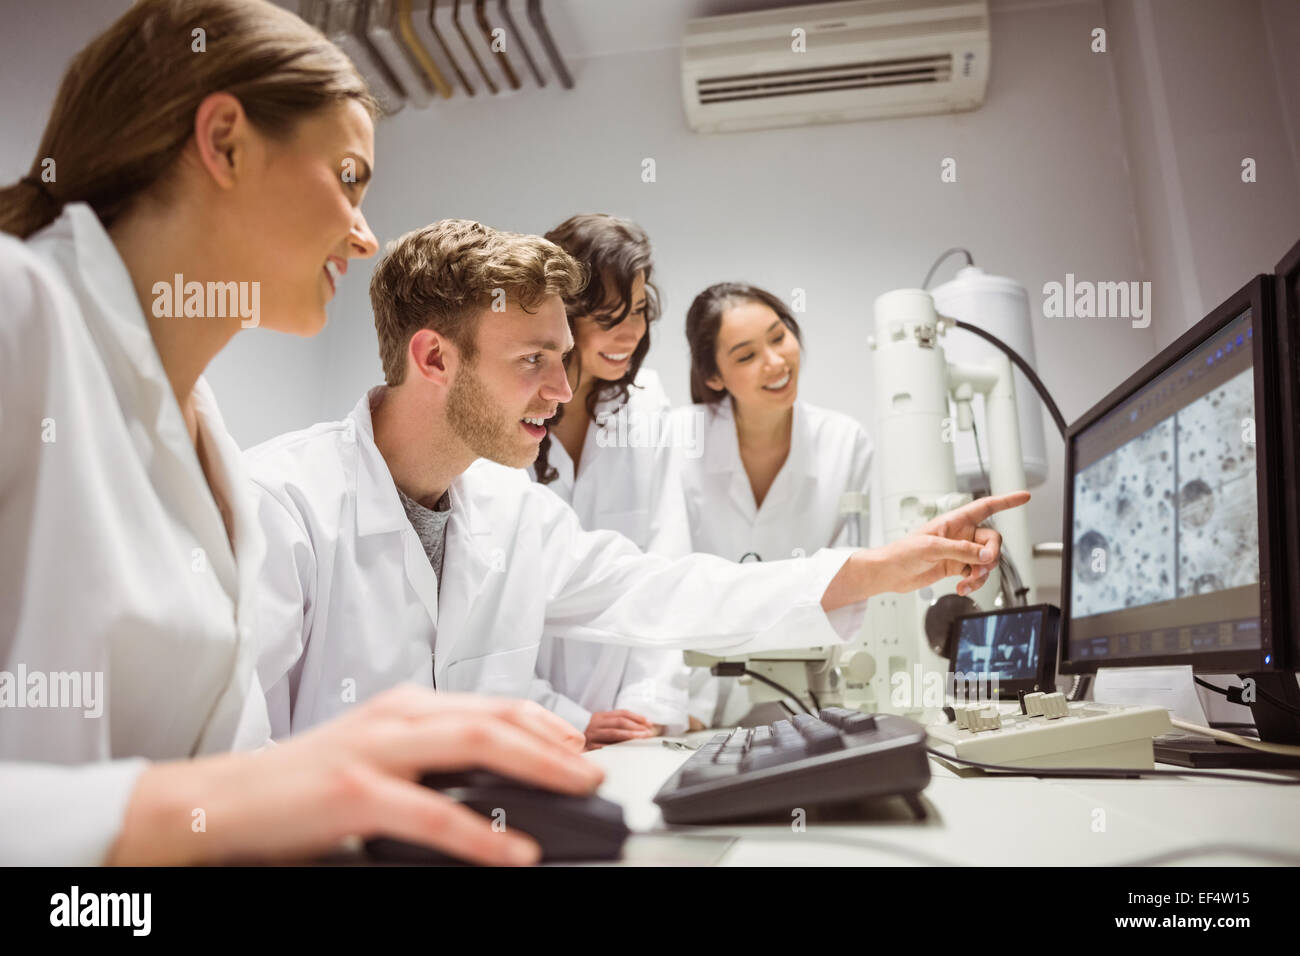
[1124,513]
[1218,512]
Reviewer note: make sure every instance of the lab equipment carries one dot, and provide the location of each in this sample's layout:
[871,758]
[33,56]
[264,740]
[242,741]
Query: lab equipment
[999,654]
[916,426]
[1180,518]
[567,827]
[1046,730]
[838,757]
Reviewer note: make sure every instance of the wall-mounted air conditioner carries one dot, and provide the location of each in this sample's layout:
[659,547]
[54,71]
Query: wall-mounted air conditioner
[834,63]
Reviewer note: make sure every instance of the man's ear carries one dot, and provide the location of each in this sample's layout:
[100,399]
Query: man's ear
[221,131]
[431,356]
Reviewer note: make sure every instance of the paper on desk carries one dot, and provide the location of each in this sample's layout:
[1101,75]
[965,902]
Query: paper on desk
[1168,687]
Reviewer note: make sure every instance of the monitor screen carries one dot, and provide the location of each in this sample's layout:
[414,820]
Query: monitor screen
[1003,645]
[1165,552]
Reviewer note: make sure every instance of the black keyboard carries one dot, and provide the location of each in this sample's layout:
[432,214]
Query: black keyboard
[844,756]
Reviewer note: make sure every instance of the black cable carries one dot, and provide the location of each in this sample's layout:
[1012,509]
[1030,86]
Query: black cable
[1234,695]
[785,690]
[979,456]
[1021,364]
[937,262]
[1104,773]
[816,703]
[788,709]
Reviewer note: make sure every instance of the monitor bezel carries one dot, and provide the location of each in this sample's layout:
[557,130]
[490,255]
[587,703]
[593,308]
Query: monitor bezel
[1286,311]
[1257,295]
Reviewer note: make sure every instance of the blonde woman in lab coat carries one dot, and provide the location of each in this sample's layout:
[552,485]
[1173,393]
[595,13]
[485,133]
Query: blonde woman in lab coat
[604,455]
[768,483]
[129,551]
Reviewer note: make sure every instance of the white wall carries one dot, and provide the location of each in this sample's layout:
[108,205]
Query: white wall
[1206,84]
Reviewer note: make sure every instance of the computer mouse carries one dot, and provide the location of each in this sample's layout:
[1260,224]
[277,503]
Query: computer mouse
[568,828]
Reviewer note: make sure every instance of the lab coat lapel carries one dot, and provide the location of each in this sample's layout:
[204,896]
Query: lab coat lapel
[117,323]
[380,511]
[239,720]
[724,464]
[795,472]
[468,566]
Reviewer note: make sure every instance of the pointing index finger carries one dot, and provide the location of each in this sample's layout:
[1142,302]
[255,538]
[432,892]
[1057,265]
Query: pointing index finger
[984,508]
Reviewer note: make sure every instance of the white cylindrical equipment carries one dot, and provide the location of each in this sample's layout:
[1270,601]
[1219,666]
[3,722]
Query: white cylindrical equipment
[1000,306]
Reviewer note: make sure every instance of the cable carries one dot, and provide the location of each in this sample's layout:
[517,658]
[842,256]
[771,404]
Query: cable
[1288,750]
[1021,364]
[1225,725]
[937,262]
[1234,695]
[979,456]
[784,690]
[1105,773]
[1239,848]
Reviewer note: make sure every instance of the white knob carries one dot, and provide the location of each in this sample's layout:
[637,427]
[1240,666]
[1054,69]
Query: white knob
[1055,705]
[862,666]
[1034,704]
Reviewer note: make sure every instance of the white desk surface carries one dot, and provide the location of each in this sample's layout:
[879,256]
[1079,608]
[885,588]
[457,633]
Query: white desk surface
[979,820]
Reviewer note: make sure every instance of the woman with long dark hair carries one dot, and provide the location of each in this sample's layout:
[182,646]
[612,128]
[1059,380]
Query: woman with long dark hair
[768,483]
[607,455]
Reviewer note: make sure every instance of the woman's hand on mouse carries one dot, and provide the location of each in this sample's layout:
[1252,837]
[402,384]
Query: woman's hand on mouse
[356,775]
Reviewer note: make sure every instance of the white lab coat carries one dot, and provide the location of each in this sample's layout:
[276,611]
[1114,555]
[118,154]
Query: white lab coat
[354,604]
[623,484]
[830,454]
[114,556]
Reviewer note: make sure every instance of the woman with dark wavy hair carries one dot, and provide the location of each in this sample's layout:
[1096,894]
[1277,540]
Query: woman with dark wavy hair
[768,482]
[607,454]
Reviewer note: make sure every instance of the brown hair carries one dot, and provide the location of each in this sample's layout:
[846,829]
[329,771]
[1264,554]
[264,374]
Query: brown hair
[442,277]
[614,252]
[125,109]
[703,320]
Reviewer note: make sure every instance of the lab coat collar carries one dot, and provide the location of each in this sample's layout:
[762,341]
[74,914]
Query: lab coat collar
[379,509]
[722,445]
[722,457]
[79,244]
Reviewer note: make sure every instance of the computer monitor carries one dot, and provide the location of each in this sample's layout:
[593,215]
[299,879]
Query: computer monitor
[1180,519]
[1174,547]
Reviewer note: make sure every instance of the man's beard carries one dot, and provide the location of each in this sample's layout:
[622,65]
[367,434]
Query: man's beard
[483,425]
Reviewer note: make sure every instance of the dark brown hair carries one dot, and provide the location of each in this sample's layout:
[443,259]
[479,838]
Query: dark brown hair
[614,252]
[704,318]
[442,277]
[125,109]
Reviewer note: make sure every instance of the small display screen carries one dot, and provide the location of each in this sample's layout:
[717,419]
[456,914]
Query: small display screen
[1004,645]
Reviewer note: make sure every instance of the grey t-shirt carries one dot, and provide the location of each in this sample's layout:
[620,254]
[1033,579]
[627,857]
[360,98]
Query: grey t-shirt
[431,526]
